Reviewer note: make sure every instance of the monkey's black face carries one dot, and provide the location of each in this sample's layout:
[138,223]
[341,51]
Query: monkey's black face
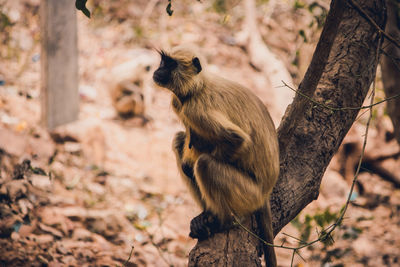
[162,76]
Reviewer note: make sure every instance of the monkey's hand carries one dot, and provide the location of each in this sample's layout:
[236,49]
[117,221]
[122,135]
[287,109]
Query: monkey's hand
[220,129]
[231,147]
[205,225]
[187,169]
[178,143]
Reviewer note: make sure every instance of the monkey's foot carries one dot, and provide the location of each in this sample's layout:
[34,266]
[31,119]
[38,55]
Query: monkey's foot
[205,225]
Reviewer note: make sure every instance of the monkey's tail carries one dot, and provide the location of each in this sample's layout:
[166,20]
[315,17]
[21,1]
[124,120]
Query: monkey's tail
[264,222]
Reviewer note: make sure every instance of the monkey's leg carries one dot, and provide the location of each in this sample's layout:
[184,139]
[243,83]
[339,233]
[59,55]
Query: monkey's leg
[186,168]
[225,190]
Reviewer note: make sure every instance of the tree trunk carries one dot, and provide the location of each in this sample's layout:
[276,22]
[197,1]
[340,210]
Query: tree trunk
[345,82]
[390,65]
[307,152]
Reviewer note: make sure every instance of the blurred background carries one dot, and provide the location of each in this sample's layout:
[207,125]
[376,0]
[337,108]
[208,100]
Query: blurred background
[87,191]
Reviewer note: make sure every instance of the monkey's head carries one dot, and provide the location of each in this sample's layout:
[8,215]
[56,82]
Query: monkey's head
[178,71]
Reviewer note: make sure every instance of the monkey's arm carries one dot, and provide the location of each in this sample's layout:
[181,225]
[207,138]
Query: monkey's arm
[186,168]
[176,105]
[214,125]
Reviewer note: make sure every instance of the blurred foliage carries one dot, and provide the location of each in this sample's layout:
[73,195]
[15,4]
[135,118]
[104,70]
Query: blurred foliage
[318,221]
[104,12]
[298,5]
[5,27]
[352,232]
[225,6]
[219,6]
[318,13]
[169,8]
[4,22]
[303,34]
[295,61]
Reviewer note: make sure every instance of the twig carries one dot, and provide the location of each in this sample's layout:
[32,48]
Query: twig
[272,245]
[298,253]
[337,108]
[291,262]
[360,116]
[129,258]
[359,162]
[298,239]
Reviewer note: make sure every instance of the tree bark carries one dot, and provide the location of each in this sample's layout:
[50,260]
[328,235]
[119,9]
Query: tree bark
[345,81]
[390,65]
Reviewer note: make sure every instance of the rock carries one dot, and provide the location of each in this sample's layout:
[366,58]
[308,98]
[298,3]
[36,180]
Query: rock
[3,191]
[7,226]
[42,182]
[55,264]
[102,242]
[108,227]
[56,220]
[19,144]
[82,234]
[16,189]
[96,188]
[25,206]
[50,230]
[41,239]
[41,147]
[42,260]
[94,145]
[26,230]
[61,249]
[12,142]
[72,147]
[69,260]
[364,247]
[15,236]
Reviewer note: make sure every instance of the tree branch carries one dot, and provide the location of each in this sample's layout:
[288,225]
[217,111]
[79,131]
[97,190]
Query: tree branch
[310,134]
[347,77]
[390,67]
[311,78]
[340,108]
[373,23]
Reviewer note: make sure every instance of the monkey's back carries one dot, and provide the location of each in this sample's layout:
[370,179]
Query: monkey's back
[247,111]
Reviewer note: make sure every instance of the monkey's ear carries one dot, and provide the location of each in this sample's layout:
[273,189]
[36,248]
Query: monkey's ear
[196,64]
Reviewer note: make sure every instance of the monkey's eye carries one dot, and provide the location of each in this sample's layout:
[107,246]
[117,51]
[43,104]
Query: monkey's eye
[168,62]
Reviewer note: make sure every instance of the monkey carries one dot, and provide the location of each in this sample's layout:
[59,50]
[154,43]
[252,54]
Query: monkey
[228,154]
[128,99]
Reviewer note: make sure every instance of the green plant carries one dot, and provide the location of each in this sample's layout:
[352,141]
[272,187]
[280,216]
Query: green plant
[320,221]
